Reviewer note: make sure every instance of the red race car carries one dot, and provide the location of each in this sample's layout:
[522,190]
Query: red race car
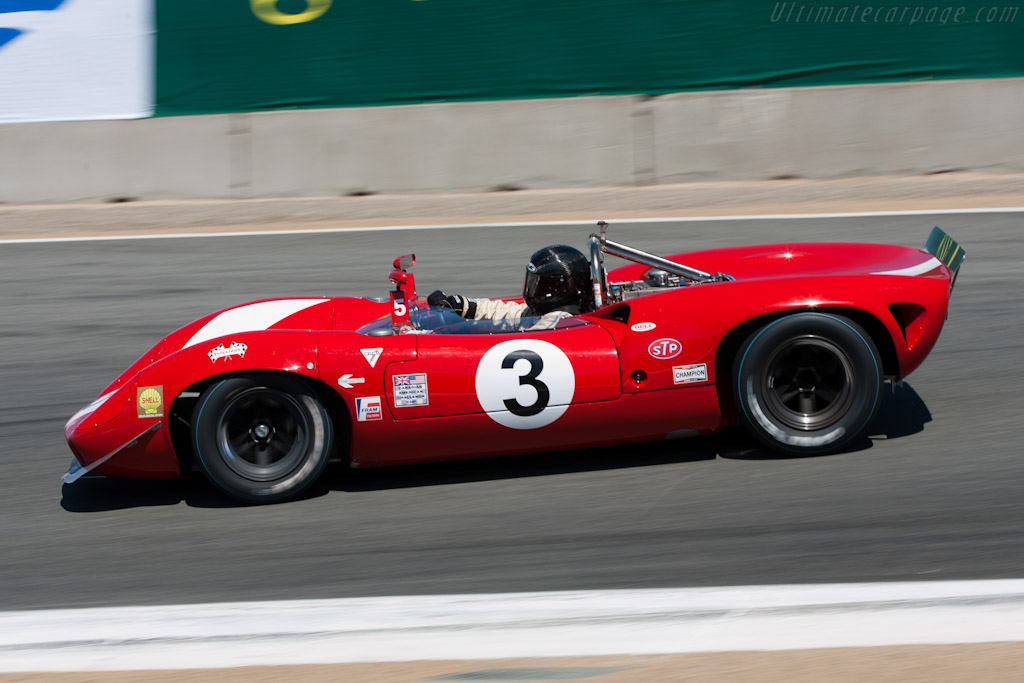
[792,341]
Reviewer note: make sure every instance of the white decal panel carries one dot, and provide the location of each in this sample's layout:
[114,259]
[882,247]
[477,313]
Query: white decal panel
[411,390]
[226,352]
[250,318]
[371,355]
[525,383]
[368,409]
[643,327]
[690,374]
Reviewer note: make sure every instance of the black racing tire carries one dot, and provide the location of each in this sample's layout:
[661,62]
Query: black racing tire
[808,383]
[261,437]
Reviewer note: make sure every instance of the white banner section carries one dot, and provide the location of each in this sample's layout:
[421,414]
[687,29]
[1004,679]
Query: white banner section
[66,60]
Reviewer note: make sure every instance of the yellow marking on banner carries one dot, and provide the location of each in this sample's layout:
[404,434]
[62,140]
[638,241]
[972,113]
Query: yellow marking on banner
[266,10]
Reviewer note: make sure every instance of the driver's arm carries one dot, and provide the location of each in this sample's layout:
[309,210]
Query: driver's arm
[495,309]
[456,302]
[479,309]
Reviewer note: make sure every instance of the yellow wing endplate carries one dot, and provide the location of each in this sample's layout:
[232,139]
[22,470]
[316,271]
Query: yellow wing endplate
[945,248]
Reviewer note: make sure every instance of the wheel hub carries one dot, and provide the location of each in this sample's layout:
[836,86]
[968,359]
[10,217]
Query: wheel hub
[808,382]
[263,434]
[806,379]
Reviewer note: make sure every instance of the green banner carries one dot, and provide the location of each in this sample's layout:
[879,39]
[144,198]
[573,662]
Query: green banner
[249,55]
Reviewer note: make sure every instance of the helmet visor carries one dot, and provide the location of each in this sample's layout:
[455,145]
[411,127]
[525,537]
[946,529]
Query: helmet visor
[544,291]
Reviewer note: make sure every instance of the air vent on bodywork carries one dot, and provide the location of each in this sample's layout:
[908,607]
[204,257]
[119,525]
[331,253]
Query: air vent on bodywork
[619,313]
[910,319]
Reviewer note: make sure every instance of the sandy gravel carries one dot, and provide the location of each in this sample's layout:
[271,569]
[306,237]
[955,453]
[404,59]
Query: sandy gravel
[989,663]
[945,191]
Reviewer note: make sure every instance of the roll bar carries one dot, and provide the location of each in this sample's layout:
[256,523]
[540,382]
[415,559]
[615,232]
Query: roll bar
[600,244]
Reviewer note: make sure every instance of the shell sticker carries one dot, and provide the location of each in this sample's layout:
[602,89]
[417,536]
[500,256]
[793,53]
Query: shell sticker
[150,401]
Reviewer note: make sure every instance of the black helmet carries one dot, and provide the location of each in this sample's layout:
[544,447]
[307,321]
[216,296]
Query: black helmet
[556,276]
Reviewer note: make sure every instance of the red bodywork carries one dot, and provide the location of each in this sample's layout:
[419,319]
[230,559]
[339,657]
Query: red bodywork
[627,372]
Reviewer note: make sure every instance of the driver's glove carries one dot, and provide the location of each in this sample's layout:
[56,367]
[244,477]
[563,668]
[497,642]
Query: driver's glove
[456,302]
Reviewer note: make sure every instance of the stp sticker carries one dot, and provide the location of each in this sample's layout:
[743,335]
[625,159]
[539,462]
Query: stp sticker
[150,401]
[371,355]
[690,374]
[525,383]
[220,351]
[411,390]
[643,327]
[664,348]
[368,409]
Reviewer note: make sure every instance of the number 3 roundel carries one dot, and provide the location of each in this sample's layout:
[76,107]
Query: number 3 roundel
[525,383]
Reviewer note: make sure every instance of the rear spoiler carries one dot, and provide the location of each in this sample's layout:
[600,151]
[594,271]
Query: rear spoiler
[946,249]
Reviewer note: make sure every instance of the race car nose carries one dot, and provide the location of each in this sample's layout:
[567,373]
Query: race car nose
[83,433]
[102,410]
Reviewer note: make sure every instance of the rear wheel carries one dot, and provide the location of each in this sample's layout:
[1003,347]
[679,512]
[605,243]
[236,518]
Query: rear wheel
[261,437]
[808,383]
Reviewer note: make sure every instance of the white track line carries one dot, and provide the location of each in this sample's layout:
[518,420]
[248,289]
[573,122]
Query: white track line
[577,623]
[517,224]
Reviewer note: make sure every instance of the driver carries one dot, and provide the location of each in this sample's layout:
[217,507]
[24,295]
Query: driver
[557,286]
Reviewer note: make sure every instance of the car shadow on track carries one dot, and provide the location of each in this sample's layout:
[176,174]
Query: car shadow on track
[902,413]
[101,494]
[521,466]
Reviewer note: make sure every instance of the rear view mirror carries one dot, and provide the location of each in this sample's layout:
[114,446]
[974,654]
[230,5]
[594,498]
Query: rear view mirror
[403,262]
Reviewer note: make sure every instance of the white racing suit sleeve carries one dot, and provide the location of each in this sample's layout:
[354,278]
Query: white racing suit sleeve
[495,309]
[548,320]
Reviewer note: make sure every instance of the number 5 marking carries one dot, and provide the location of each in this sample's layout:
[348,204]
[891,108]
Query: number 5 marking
[530,378]
[266,10]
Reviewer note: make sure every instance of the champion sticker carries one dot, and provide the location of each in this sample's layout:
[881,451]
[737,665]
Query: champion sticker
[664,348]
[643,327]
[226,352]
[690,374]
[150,401]
[371,355]
[368,409]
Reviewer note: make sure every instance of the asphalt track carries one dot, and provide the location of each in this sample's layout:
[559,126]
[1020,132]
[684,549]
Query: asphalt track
[939,498]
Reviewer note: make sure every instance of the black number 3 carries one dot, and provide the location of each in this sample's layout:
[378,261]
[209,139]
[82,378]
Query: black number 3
[530,378]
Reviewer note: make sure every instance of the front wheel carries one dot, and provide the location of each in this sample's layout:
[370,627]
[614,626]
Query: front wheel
[808,383]
[261,437]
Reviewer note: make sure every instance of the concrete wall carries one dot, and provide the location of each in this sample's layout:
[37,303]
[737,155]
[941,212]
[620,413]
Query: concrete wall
[905,128]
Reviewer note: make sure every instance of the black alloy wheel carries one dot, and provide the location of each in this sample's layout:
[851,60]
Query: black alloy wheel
[261,437]
[808,383]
